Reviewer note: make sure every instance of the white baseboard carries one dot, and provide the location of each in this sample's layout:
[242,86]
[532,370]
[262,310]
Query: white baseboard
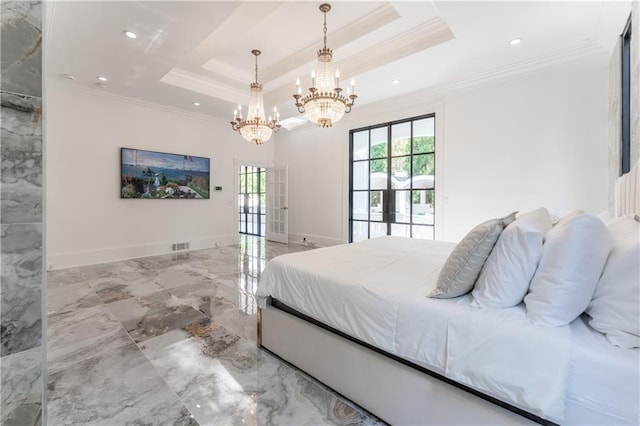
[113,254]
[315,239]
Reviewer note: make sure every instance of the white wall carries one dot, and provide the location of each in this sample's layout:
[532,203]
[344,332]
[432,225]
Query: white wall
[87,222]
[536,140]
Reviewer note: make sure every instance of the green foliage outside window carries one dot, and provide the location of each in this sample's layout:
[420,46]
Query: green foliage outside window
[422,164]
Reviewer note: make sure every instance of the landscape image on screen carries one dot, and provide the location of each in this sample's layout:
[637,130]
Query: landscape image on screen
[158,175]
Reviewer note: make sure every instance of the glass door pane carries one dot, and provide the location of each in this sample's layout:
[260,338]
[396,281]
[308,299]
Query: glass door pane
[401,139]
[359,209]
[400,230]
[423,136]
[359,231]
[422,207]
[402,207]
[379,148]
[401,172]
[361,145]
[360,175]
[379,174]
[377,229]
[377,206]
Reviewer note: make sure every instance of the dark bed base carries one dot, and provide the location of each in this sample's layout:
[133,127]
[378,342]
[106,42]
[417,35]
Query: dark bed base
[285,308]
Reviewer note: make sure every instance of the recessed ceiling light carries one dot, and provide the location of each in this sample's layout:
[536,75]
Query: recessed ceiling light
[102,78]
[395,81]
[130,34]
[515,41]
[196,104]
[68,76]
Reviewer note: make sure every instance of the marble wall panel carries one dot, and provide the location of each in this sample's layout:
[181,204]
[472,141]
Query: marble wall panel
[21,151]
[21,217]
[21,282]
[21,388]
[21,47]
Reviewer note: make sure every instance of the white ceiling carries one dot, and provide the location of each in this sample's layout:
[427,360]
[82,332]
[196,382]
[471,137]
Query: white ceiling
[200,51]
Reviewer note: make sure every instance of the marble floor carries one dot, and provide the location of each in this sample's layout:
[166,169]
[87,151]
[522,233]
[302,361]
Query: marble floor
[170,340]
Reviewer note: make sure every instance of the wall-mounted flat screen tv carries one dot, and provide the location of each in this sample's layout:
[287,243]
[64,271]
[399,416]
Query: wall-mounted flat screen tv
[161,175]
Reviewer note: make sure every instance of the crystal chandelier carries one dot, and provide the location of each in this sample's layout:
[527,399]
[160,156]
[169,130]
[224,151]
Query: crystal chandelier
[325,104]
[255,128]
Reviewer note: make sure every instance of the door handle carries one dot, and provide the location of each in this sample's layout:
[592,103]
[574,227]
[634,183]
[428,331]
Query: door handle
[284,208]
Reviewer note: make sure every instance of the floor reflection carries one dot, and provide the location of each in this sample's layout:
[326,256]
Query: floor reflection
[251,262]
[193,319]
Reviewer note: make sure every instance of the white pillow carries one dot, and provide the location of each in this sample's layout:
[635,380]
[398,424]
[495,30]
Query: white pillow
[615,307]
[574,254]
[606,217]
[462,268]
[506,275]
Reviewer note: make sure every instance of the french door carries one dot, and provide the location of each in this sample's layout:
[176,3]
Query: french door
[251,201]
[277,204]
[392,179]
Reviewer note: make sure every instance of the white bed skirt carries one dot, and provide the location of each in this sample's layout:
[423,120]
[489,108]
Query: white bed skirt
[396,393]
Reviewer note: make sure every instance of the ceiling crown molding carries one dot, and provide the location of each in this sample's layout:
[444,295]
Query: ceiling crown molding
[422,37]
[362,26]
[586,50]
[589,51]
[101,93]
[206,86]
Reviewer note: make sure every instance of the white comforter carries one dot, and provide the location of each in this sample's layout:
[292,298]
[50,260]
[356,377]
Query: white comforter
[375,291]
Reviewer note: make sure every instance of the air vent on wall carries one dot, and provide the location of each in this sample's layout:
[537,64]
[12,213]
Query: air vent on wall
[179,246]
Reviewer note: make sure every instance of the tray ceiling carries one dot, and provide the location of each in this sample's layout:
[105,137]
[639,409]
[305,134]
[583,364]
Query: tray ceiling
[190,52]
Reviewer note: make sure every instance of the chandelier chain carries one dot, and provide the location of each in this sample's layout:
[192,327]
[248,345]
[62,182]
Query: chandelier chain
[256,69]
[324,30]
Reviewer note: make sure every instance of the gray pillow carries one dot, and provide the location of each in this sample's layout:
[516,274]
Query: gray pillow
[463,266]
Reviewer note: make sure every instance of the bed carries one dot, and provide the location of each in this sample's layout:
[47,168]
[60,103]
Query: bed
[356,318]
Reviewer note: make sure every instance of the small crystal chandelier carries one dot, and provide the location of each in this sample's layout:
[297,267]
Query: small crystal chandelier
[256,128]
[325,104]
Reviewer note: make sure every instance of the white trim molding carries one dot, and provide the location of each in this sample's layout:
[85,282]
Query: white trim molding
[113,254]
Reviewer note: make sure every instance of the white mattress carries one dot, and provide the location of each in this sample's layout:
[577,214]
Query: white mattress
[375,291]
[359,293]
[605,384]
